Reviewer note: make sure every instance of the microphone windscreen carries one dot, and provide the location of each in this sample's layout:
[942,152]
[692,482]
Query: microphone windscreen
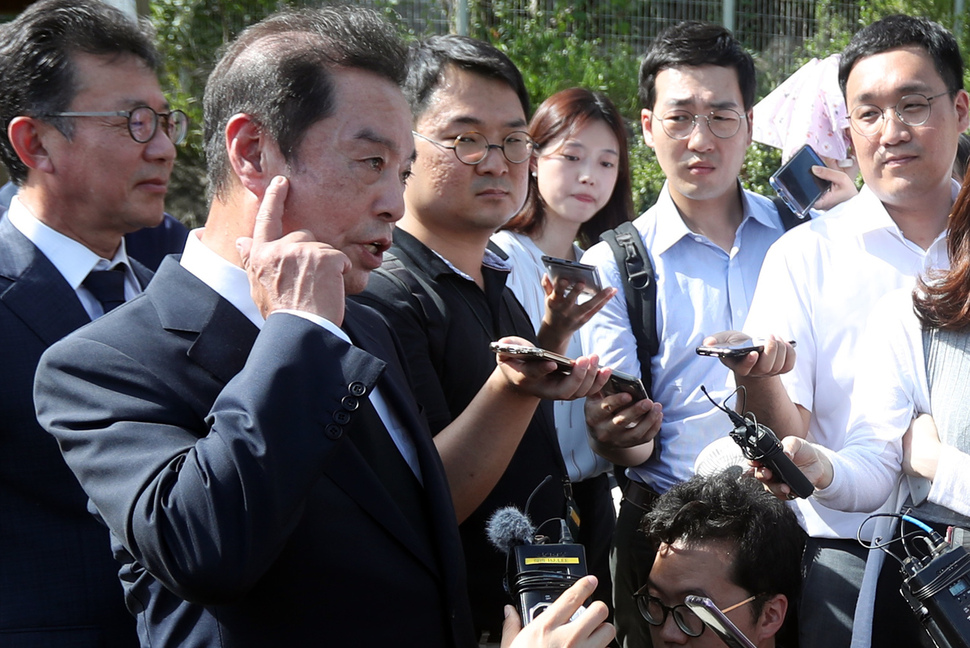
[509,527]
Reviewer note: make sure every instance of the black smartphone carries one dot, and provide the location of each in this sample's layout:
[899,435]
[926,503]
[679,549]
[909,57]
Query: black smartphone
[717,621]
[735,350]
[623,382]
[796,184]
[563,363]
[574,272]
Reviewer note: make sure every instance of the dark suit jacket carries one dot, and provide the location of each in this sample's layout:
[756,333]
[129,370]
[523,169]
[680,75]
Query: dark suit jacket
[247,480]
[58,582]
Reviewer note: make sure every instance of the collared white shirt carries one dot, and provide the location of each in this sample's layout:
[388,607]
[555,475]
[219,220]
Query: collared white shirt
[818,286]
[525,282]
[71,258]
[231,283]
[701,290]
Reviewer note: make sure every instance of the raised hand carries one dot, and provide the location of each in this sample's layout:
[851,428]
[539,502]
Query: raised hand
[292,271]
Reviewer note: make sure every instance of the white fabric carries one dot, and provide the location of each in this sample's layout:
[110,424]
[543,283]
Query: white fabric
[525,281]
[71,258]
[817,286]
[701,289]
[230,282]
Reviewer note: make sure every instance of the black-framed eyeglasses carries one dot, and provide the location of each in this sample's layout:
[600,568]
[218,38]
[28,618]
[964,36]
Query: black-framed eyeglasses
[471,148]
[912,110]
[655,612]
[723,122]
[143,122]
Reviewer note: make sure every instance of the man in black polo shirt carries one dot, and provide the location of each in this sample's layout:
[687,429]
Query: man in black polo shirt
[444,291]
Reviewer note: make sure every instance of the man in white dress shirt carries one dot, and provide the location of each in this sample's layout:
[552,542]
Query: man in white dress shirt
[903,83]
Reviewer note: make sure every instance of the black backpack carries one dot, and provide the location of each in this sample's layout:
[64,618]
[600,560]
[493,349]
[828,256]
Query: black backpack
[640,286]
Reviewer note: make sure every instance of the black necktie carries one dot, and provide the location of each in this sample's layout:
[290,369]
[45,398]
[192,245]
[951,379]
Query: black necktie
[107,286]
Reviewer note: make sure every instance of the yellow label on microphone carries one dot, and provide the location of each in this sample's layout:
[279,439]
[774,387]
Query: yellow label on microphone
[552,560]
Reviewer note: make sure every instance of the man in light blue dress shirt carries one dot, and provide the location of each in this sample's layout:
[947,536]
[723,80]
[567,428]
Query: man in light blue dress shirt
[706,237]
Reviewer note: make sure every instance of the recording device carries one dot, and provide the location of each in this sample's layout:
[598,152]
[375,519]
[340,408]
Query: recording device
[796,184]
[618,381]
[734,350]
[937,588]
[574,272]
[759,443]
[717,621]
[538,571]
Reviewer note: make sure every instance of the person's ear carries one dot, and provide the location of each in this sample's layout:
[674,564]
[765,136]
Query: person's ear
[27,135]
[772,617]
[253,155]
[962,105]
[646,124]
[749,123]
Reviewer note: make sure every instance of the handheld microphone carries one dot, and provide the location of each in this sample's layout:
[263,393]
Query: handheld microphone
[537,572]
[759,443]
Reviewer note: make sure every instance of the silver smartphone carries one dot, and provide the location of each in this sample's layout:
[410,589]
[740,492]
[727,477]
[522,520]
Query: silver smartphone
[573,272]
[716,620]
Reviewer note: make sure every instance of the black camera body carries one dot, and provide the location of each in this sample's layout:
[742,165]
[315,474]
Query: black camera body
[760,444]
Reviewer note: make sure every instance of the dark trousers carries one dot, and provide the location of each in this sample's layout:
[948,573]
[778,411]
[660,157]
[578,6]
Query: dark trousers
[597,521]
[833,571]
[630,561]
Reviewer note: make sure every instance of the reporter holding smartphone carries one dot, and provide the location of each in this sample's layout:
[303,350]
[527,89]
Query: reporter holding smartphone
[579,186]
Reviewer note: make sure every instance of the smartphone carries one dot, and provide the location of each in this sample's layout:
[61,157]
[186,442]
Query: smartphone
[563,364]
[736,350]
[717,621]
[574,272]
[796,184]
[618,382]
[623,382]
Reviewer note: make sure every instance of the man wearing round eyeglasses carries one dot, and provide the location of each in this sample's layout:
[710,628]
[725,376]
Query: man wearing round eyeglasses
[442,286]
[722,537]
[89,140]
[903,83]
[706,237]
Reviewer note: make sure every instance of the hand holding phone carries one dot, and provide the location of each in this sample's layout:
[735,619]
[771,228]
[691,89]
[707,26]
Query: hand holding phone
[796,184]
[573,272]
[734,349]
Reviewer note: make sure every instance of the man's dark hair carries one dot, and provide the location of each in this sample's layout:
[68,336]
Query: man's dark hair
[693,44]
[37,72]
[279,71]
[428,59]
[899,31]
[736,510]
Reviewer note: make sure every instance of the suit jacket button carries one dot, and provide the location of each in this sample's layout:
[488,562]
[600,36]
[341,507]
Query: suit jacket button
[357,388]
[333,432]
[341,417]
[350,403]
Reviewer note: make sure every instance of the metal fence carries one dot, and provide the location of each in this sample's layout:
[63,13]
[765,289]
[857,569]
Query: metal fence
[776,30]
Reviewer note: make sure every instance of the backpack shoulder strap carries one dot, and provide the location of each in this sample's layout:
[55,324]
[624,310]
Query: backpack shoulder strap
[640,288]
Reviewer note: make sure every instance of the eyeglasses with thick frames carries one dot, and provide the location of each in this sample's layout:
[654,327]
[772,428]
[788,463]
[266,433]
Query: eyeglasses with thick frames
[723,122]
[471,148]
[655,613]
[143,122]
[912,110]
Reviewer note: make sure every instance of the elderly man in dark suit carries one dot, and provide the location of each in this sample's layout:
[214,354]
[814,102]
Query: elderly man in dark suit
[84,180]
[248,436]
